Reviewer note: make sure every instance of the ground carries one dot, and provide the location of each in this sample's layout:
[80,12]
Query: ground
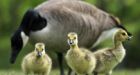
[56,72]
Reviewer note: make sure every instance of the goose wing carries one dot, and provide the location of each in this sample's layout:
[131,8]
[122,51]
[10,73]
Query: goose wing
[75,16]
[103,19]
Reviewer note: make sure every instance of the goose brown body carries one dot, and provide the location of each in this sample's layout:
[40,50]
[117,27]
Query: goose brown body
[71,16]
[57,19]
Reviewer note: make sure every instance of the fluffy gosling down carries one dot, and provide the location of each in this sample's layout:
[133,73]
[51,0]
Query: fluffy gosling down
[80,60]
[108,58]
[37,62]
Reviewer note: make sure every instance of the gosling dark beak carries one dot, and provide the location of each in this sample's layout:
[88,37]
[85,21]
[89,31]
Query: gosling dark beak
[39,54]
[129,38]
[70,42]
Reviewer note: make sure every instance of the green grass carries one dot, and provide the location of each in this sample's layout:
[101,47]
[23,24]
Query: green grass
[126,72]
[56,72]
[18,72]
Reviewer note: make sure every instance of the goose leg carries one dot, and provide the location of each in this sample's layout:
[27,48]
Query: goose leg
[69,71]
[60,62]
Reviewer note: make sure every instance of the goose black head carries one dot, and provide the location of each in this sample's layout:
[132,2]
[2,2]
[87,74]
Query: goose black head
[120,25]
[18,40]
[32,21]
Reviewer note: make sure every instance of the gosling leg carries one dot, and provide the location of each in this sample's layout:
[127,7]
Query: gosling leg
[26,72]
[60,62]
[70,72]
[95,73]
[109,73]
[45,73]
[73,73]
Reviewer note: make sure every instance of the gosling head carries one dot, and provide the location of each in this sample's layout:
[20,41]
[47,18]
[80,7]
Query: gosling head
[39,49]
[121,35]
[72,38]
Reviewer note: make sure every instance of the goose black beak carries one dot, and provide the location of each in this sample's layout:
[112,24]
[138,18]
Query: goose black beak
[14,55]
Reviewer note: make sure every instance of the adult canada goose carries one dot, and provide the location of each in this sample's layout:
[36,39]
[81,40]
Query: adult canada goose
[108,58]
[37,62]
[78,59]
[50,22]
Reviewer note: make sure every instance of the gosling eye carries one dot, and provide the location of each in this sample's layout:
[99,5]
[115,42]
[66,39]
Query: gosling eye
[74,37]
[123,34]
[36,49]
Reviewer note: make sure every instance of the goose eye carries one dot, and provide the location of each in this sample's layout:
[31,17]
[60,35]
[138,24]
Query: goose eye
[74,37]
[123,34]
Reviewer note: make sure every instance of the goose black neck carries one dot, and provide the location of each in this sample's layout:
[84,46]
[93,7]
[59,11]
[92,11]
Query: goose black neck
[32,21]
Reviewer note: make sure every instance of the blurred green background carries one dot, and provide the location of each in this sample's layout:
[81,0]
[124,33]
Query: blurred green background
[12,11]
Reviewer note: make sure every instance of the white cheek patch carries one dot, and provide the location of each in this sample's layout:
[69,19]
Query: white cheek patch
[25,38]
[105,35]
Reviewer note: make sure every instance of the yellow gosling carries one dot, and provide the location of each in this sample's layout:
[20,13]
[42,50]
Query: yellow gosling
[37,62]
[80,60]
[108,58]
